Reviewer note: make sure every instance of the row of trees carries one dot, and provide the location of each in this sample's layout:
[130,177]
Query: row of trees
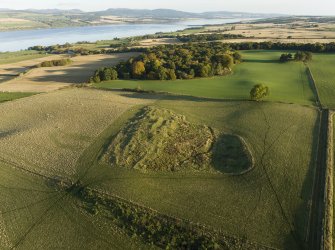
[75,50]
[152,228]
[302,56]
[55,63]
[208,37]
[170,62]
[66,48]
[311,47]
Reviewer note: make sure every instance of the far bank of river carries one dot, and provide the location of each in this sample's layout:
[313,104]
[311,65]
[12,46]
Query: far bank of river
[20,40]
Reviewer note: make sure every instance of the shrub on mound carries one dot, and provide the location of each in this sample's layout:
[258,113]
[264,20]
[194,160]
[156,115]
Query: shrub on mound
[55,63]
[159,140]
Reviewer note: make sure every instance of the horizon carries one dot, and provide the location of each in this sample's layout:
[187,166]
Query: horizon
[286,7]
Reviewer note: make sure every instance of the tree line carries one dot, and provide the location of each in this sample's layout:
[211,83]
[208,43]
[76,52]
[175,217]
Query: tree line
[302,56]
[55,63]
[66,48]
[208,37]
[151,227]
[171,62]
[311,47]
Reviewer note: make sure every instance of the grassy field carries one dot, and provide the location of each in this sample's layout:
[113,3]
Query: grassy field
[61,136]
[322,68]
[251,205]
[287,82]
[53,129]
[13,57]
[35,216]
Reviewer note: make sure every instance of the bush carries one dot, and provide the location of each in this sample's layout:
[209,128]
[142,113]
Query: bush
[286,57]
[303,56]
[258,92]
[55,63]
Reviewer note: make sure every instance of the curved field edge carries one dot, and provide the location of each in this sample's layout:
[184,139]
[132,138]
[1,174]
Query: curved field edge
[147,189]
[10,96]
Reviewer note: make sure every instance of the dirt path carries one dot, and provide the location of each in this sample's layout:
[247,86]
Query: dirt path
[319,236]
[315,235]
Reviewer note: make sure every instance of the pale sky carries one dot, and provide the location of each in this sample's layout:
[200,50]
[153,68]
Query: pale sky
[302,7]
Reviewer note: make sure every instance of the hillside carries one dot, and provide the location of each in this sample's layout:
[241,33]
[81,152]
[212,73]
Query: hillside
[56,18]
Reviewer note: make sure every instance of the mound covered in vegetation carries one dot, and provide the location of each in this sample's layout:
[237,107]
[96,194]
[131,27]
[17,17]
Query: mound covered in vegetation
[159,140]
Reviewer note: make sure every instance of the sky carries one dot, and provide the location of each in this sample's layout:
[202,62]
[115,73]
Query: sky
[300,7]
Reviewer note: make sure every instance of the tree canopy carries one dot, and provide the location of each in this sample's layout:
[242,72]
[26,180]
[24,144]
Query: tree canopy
[258,92]
[170,62]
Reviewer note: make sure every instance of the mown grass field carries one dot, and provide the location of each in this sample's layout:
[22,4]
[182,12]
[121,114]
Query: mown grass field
[322,68]
[13,57]
[288,82]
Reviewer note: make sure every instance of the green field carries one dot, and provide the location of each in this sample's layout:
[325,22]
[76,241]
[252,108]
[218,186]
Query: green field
[246,206]
[322,68]
[13,57]
[288,82]
[250,206]
[10,96]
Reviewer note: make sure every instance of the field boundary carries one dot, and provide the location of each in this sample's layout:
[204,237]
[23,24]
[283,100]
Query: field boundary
[329,189]
[320,228]
[314,87]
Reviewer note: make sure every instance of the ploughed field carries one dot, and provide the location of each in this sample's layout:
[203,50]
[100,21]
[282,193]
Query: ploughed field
[102,169]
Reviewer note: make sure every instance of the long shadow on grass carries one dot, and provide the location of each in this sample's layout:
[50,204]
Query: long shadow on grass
[261,61]
[302,217]
[173,97]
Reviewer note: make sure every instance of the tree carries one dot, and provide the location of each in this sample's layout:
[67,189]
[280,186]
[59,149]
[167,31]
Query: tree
[226,60]
[161,73]
[114,74]
[138,69]
[286,57]
[258,92]
[303,56]
[237,57]
[171,74]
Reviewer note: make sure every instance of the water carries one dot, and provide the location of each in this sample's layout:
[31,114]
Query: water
[19,40]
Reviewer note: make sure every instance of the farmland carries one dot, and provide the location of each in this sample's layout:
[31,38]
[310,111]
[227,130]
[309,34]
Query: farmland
[173,164]
[323,71]
[37,125]
[287,82]
[13,57]
[48,79]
